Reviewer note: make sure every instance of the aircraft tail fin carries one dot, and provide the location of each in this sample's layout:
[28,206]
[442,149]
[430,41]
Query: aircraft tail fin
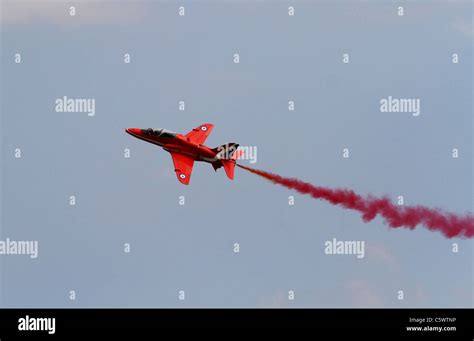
[227,154]
[226,151]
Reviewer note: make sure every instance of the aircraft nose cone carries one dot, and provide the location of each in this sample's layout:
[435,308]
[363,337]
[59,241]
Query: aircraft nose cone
[133,131]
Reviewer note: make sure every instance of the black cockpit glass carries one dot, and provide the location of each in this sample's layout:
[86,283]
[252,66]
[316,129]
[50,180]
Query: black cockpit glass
[158,132]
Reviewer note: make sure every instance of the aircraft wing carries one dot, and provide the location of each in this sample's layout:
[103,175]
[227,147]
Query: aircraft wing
[199,135]
[183,166]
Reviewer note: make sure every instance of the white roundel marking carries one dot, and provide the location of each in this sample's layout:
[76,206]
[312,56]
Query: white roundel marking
[182,176]
[203,128]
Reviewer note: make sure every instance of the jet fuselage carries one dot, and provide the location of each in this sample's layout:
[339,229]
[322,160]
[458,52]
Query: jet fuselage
[173,142]
[185,149]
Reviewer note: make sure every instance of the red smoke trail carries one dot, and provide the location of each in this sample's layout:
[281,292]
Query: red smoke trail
[449,224]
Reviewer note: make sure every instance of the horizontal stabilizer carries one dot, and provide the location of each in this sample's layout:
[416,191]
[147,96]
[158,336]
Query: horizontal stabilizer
[229,166]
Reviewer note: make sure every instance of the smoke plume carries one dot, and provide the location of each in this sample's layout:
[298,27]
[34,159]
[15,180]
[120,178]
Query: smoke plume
[449,224]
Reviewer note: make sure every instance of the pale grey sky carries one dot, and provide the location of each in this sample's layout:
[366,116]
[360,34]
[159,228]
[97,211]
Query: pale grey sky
[190,58]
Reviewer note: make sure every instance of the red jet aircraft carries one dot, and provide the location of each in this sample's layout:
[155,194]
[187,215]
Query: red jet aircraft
[185,149]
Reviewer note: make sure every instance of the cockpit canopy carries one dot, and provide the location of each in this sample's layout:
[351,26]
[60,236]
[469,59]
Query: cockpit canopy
[158,132]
